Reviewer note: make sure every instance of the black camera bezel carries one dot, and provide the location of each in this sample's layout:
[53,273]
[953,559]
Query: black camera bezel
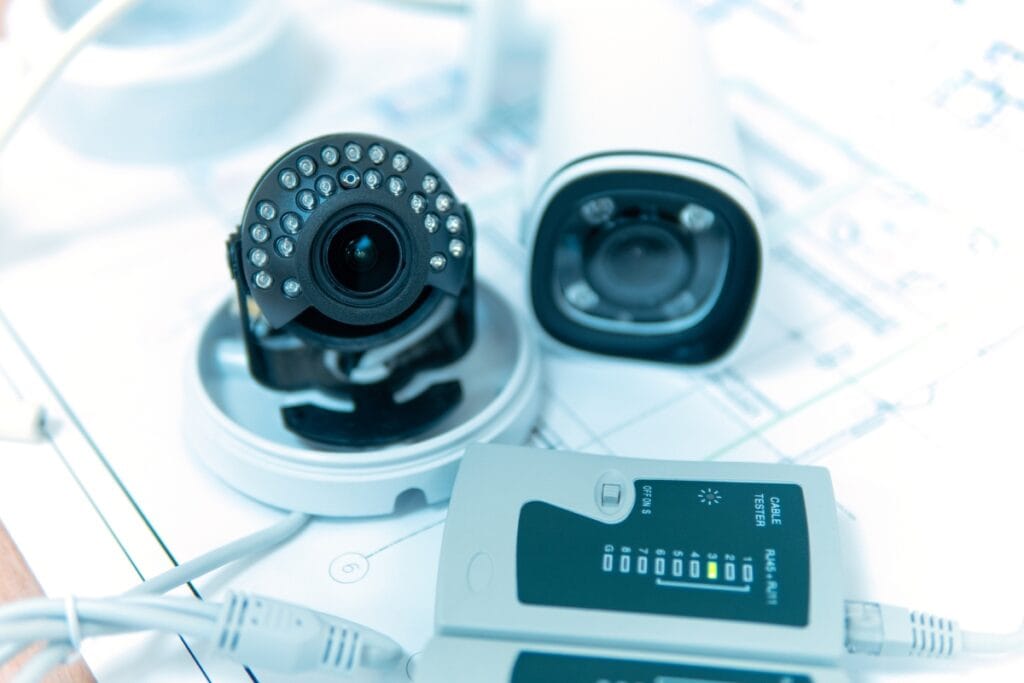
[705,341]
[391,305]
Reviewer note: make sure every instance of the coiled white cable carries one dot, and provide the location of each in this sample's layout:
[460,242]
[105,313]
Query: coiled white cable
[252,630]
[249,629]
[74,628]
[102,15]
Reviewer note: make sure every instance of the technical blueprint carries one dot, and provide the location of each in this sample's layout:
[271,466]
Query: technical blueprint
[886,147]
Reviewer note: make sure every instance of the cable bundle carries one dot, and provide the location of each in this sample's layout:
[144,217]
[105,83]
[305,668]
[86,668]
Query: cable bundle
[252,630]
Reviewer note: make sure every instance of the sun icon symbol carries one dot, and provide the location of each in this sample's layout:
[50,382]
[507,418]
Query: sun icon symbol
[710,497]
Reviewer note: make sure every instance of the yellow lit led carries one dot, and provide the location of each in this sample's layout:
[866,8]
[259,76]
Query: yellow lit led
[712,570]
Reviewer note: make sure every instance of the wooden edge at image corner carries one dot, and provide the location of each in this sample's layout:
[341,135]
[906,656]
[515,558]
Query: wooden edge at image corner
[17,582]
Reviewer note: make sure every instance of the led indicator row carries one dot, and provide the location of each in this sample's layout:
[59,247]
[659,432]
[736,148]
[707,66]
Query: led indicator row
[349,178]
[290,287]
[330,156]
[678,567]
[260,233]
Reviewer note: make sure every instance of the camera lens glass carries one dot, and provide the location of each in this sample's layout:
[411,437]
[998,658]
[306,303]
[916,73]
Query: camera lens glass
[363,255]
[639,265]
[639,262]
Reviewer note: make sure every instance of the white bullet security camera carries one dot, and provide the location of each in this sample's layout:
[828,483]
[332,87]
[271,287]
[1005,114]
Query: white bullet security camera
[643,232]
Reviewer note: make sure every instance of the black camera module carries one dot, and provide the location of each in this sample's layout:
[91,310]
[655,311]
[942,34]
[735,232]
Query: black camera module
[354,270]
[645,265]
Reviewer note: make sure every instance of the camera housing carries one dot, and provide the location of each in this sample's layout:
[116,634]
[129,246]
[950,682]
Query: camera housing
[643,233]
[354,270]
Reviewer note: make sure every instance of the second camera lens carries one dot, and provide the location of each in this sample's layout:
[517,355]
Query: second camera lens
[639,265]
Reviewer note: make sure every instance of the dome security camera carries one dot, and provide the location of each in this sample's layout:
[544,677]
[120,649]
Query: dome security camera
[354,270]
[361,355]
[643,233]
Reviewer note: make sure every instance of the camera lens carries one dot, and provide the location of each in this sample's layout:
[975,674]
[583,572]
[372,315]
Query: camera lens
[643,264]
[639,265]
[363,255]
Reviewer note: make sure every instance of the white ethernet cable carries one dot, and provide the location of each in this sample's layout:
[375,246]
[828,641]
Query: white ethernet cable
[98,18]
[252,630]
[102,15]
[886,630]
[505,520]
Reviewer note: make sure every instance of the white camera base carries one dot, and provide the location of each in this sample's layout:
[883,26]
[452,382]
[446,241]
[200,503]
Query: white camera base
[235,425]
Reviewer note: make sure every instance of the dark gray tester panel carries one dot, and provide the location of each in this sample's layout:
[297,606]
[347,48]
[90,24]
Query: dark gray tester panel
[717,550]
[535,667]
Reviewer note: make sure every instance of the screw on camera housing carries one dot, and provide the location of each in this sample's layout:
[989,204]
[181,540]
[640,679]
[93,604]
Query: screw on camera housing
[347,286]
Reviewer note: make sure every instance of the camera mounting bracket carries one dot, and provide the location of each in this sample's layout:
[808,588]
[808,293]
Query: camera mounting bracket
[375,417]
[235,425]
